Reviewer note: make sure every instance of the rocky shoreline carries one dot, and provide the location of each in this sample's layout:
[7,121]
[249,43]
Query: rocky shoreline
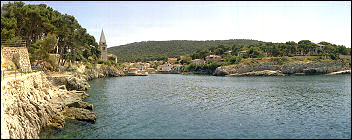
[32,104]
[276,69]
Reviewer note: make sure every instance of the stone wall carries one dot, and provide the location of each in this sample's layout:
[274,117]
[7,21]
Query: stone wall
[18,55]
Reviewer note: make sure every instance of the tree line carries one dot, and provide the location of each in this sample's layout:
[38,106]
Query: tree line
[269,49]
[235,53]
[45,31]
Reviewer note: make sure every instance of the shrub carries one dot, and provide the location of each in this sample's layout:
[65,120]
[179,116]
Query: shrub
[100,61]
[52,61]
[334,56]
[90,59]
[279,60]
[238,59]
[89,66]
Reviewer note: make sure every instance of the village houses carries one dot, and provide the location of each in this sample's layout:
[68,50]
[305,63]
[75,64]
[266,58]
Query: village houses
[198,61]
[165,67]
[215,58]
[171,60]
[241,53]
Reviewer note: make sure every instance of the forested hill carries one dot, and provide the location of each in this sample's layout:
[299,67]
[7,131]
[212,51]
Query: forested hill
[157,50]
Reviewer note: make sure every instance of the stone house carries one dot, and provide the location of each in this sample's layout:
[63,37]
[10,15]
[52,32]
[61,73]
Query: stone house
[215,58]
[198,61]
[171,60]
[319,47]
[241,53]
[17,56]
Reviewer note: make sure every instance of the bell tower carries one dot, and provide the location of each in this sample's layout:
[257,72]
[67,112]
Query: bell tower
[103,46]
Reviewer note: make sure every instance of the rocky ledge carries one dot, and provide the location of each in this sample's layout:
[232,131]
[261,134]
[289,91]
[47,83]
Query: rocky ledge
[272,68]
[101,71]
[31,104]
[70,82]
[78,80]
[259,73]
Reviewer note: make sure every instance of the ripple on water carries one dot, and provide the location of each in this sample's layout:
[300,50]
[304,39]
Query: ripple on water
[192,106]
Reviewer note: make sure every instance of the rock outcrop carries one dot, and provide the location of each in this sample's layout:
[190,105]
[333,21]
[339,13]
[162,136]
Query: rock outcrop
[101,71]
[259,73]
[80,114]
[70,82]
[79,80]
[32,103]
[309,67]
[80,104]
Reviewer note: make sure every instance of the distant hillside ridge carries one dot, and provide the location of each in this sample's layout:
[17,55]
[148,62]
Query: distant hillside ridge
[158,50]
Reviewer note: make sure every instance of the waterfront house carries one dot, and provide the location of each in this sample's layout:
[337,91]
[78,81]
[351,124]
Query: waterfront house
[198,61]
[171,60]
[137,65]
[150,70]
[132,70]
[146,65]
[165,67]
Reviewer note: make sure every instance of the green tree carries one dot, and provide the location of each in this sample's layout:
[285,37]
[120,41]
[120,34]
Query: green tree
[341,50]
[255,52]
[34,23]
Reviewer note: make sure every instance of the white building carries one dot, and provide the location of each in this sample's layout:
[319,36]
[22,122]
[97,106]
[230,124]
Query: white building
[165,67]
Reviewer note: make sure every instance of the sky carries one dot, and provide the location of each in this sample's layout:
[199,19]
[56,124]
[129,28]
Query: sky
[270,21]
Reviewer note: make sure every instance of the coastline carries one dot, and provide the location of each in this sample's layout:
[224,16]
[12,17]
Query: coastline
[39,101]
[289,68]
[61,96]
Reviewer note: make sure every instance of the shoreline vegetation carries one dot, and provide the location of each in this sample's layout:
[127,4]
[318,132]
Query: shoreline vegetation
[70,58]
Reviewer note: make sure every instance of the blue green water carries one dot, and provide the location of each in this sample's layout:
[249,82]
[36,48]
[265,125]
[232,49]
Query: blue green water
[195,106]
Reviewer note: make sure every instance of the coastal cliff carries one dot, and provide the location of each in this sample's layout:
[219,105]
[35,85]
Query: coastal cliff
[32,103]
[78,79]
[275,68]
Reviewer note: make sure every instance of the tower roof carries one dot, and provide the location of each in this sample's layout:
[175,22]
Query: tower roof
[102,37]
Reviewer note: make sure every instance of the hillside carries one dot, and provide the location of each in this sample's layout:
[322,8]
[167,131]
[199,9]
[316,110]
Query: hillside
[156,50]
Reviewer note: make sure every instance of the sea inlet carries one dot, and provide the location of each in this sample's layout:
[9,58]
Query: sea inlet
[202,106]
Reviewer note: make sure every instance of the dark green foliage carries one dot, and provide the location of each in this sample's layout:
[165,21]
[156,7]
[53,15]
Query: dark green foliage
[100,61]
[204,68]
[35,23]
[255,52]
[333,56]
[186,60]
[161,50]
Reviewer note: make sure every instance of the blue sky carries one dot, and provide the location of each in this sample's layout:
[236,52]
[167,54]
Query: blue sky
[134,21]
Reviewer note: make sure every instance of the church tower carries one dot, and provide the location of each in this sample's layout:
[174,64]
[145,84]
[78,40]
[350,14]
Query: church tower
[103,46]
